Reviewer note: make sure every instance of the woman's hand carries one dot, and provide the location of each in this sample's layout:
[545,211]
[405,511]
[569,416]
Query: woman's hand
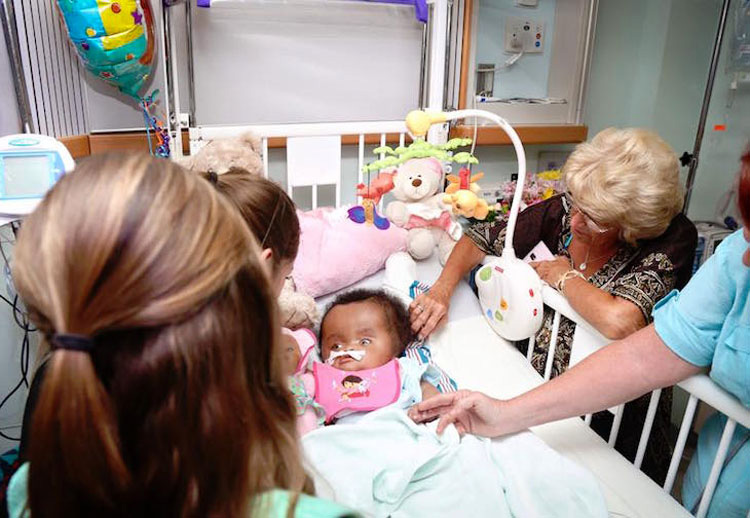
[471,412]
[429,311]
[552,271]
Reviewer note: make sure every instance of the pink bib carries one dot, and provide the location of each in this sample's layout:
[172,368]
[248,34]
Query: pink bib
[342,392]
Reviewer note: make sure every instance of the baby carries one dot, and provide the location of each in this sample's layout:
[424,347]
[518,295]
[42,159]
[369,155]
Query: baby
[362,331]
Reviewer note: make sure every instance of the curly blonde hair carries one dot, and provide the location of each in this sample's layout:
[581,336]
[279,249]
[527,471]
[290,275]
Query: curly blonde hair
[627,178]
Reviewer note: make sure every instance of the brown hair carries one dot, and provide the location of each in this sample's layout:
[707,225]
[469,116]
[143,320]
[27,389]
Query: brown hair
[744,190]
[180,408]
[268,211]
[396,314]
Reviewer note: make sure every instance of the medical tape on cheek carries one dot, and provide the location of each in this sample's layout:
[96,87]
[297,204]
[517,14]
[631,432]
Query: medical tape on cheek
[355,354]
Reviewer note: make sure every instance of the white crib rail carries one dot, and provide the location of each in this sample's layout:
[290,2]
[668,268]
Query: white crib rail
[700,387]
[201,135]
[317,129]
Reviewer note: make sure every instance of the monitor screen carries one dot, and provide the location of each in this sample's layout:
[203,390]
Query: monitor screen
[26,176]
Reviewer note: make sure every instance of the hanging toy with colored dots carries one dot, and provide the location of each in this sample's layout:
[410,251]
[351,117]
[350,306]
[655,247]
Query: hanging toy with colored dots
[115,42]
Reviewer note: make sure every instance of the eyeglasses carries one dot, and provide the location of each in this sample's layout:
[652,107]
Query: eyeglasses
[590,223]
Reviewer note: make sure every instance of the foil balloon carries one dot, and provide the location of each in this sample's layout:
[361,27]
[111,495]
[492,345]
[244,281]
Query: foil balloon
[114,39]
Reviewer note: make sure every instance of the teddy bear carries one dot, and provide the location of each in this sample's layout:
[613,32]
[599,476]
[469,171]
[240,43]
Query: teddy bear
[297,309]
[221,155]
[420,209]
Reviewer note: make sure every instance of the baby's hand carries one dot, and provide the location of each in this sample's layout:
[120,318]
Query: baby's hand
[428,390]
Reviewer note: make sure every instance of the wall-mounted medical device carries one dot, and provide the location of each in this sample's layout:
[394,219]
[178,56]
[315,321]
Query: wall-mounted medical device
[29,165]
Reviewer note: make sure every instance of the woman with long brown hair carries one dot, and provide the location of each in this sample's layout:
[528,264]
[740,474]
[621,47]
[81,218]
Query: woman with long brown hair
[163,394]
[270,215]
[706,326]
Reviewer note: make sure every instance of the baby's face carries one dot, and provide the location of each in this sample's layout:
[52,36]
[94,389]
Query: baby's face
[357,326]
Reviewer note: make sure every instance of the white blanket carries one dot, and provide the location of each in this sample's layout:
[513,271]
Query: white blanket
[386,465]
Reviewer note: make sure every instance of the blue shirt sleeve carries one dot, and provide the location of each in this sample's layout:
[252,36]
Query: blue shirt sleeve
[690,322]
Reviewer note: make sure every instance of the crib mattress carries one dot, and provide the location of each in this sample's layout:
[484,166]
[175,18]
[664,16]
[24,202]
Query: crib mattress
[479,359]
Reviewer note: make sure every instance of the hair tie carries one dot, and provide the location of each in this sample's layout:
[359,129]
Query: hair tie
[71,342]
[213,177]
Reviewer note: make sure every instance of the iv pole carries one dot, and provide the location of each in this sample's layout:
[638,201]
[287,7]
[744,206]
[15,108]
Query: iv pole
[691,159]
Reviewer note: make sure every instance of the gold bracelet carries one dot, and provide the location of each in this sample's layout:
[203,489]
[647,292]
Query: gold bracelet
[570,274]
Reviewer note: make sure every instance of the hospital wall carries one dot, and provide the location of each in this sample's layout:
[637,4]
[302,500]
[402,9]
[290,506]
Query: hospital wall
[649,69]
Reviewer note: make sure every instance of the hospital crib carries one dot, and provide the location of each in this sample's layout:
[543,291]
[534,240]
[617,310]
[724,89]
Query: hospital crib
[324,168]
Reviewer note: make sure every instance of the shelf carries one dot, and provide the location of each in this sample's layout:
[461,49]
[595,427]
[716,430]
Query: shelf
[78,145]
[134,141]
[530,134]
[85,145]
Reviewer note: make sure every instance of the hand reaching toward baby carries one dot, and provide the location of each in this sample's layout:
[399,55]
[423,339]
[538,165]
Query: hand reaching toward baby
[470,412]
[429,311]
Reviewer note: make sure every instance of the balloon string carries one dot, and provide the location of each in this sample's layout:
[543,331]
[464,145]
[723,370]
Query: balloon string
[155,125]
[148,125]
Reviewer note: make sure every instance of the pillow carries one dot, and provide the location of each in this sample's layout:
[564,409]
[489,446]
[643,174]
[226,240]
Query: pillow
[335,252]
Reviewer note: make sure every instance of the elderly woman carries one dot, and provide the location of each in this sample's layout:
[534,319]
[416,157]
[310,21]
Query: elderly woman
[621,244]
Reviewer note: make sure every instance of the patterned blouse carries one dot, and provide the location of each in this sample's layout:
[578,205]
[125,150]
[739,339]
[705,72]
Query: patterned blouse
[642,275]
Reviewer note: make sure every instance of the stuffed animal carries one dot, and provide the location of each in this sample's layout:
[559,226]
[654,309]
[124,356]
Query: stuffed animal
[464,180]
[420,209]
[382,184]
[221,155]
[310,415]
[466,203]
[298,310]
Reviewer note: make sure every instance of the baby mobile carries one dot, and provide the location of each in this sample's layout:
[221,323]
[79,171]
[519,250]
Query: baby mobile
[115,41]
[462,195]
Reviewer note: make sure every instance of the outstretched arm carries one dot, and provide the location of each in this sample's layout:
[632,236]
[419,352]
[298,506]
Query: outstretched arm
[613,375]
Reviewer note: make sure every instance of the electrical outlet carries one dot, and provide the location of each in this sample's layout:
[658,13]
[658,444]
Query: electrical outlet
[523,35]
